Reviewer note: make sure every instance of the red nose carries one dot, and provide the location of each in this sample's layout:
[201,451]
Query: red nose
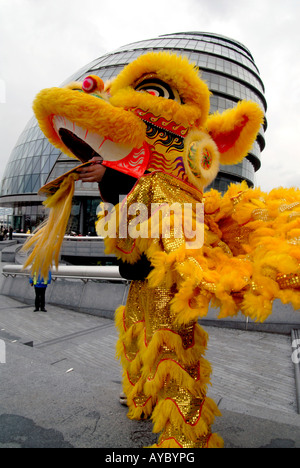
[92,83]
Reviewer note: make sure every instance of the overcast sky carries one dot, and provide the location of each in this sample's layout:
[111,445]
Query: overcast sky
[43,42]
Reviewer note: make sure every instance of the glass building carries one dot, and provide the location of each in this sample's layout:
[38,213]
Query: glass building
[227,67]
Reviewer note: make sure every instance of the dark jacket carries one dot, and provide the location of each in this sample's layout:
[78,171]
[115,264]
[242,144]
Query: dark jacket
[39,282]
[114,185]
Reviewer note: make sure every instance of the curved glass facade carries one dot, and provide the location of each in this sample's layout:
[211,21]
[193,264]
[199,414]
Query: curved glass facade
[30,163]
[230,73]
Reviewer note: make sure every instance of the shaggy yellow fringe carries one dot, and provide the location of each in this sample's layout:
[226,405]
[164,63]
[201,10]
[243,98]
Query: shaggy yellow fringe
[145,372]
[251,239]
[214,441]
[45,244]
[167,410]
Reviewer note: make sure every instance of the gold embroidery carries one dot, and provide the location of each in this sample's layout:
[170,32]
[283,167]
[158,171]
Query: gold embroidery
[165,354]
[189,406]
[291,281]
[174,433]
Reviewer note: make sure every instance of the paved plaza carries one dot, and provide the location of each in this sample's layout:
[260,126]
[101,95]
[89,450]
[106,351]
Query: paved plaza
[63,391]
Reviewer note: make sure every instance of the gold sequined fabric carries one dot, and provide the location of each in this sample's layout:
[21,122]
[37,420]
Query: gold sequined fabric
[188,405]
[173,434]
[289,281]
[249,240]
[163,365]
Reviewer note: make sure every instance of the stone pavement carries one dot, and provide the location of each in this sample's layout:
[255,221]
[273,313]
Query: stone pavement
[63,391]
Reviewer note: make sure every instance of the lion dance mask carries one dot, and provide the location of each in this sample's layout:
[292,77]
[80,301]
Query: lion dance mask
[152,122]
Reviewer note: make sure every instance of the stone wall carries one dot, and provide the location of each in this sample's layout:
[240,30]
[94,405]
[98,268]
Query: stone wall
[102,297]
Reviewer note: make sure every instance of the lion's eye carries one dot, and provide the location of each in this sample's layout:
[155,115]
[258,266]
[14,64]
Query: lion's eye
[158,88]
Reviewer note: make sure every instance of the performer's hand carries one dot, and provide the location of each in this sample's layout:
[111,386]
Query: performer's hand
[93,173]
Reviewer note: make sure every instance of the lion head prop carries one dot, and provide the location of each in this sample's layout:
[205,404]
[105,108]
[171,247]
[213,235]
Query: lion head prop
[154,116]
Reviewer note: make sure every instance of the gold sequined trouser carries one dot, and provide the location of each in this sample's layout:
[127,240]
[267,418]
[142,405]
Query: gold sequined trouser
[164,371]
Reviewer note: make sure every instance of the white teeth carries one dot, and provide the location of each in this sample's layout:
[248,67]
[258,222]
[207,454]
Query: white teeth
[92,139]
[109,150]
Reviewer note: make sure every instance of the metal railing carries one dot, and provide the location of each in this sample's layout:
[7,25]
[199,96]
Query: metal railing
[72,246]
[23,237]
[81,272]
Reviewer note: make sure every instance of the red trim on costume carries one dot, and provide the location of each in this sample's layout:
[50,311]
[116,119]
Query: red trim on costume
[190,424]
[141,406]
[175,333]
[189,303]
[127,252]
[130,380]
[124,321]
[160,122]
[125,353]
[213,212]
[170,438]
[226,140]
[181,446]
[134,164]
[168,359]
[208,440]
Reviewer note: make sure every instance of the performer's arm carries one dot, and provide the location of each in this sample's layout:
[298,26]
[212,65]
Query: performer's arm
[112,185]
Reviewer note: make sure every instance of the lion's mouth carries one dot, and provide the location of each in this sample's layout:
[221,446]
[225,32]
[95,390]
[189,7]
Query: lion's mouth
[77,146]
[85,144]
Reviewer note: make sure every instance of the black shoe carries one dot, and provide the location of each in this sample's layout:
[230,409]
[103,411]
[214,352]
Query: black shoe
[36,310]
[43,310]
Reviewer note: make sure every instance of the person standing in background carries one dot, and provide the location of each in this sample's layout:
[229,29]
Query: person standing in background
[40,286]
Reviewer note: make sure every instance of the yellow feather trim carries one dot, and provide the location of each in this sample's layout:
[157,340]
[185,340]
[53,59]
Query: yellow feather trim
[210,441]
[168,369]
[215,441]
[47,239]
[167,410]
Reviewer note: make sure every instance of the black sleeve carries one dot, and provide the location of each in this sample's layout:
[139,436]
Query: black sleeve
[114,184]
[138,271]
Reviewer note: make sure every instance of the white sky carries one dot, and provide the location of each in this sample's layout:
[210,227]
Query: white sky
[43,42]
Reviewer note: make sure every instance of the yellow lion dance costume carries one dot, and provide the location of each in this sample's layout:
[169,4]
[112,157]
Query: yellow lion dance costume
[153,122]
